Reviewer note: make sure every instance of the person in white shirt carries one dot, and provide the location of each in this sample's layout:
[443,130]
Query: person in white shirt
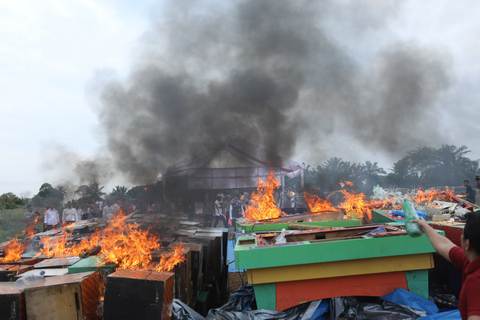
[70,215]
[107,212]
[115,208]
[80,213]
[51,219]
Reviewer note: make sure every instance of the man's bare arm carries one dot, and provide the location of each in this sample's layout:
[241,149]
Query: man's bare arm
[439,242]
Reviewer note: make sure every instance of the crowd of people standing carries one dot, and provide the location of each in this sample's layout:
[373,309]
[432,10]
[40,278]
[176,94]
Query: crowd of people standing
[227,208]
[52,218]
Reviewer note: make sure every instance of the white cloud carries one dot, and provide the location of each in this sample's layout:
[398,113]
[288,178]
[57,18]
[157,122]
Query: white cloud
[49,52]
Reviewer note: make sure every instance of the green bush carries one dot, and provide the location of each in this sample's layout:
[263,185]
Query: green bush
[10,201]
[12,223]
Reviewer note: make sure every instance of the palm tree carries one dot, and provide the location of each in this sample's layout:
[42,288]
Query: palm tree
[91,193]
[118,193]
[447,165]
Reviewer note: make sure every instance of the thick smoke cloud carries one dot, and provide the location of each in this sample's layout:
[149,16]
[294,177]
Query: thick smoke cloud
[260,75]
[66,168]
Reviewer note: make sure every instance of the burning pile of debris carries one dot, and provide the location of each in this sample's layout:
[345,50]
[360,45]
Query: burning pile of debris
[435,204]
[354,205]
[345,206]
[123,244]
[134,265]
[116,269]
[263,205]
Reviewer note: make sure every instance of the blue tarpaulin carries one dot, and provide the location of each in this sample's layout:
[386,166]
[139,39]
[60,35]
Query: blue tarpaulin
[447,315]
[321,311]
[418,303]
[412,301]
[400,213]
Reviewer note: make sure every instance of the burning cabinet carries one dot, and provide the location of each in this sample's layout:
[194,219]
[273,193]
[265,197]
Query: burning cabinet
[183,276]
[145,295]
[73,296]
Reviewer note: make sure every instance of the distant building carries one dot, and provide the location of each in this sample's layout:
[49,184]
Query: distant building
[229,171]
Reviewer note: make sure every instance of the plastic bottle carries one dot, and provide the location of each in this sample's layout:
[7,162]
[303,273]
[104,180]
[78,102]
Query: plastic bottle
[29,280]
[280,239]
[411,214]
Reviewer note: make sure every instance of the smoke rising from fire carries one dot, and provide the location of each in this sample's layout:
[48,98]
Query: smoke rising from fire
[263,75]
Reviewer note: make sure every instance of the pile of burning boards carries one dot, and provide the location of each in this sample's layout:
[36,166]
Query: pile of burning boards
[290,260]
[433,205]
[44,276]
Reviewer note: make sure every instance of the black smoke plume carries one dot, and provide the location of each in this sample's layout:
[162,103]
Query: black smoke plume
[261,74]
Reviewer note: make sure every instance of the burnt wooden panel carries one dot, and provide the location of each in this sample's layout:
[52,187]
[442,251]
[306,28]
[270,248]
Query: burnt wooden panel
[195,262]
[138,295]
[210,294]
[8,272]
[181,282]
[25,261]
[56,262]
[12,302]
[183,275]
[217,270]
[92,288]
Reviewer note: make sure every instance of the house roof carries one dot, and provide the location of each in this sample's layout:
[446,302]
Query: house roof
[228,156]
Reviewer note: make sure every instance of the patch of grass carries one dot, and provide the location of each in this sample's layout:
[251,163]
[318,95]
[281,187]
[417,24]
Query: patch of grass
[12,222]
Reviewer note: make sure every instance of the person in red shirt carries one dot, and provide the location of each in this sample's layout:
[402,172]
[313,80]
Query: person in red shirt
[466,258]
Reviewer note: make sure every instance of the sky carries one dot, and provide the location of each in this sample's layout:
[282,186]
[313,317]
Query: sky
[53,51]
[50,51]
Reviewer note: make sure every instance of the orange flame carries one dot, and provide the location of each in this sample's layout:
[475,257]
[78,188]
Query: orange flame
[317,205]
[262,205]
[170,260]
[388,203]
[123,244]
[355,205]
[423,197]
[30,229]
[13,251]
[55,246]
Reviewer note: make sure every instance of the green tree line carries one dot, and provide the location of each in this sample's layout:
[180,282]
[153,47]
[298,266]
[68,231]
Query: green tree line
[424,167]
